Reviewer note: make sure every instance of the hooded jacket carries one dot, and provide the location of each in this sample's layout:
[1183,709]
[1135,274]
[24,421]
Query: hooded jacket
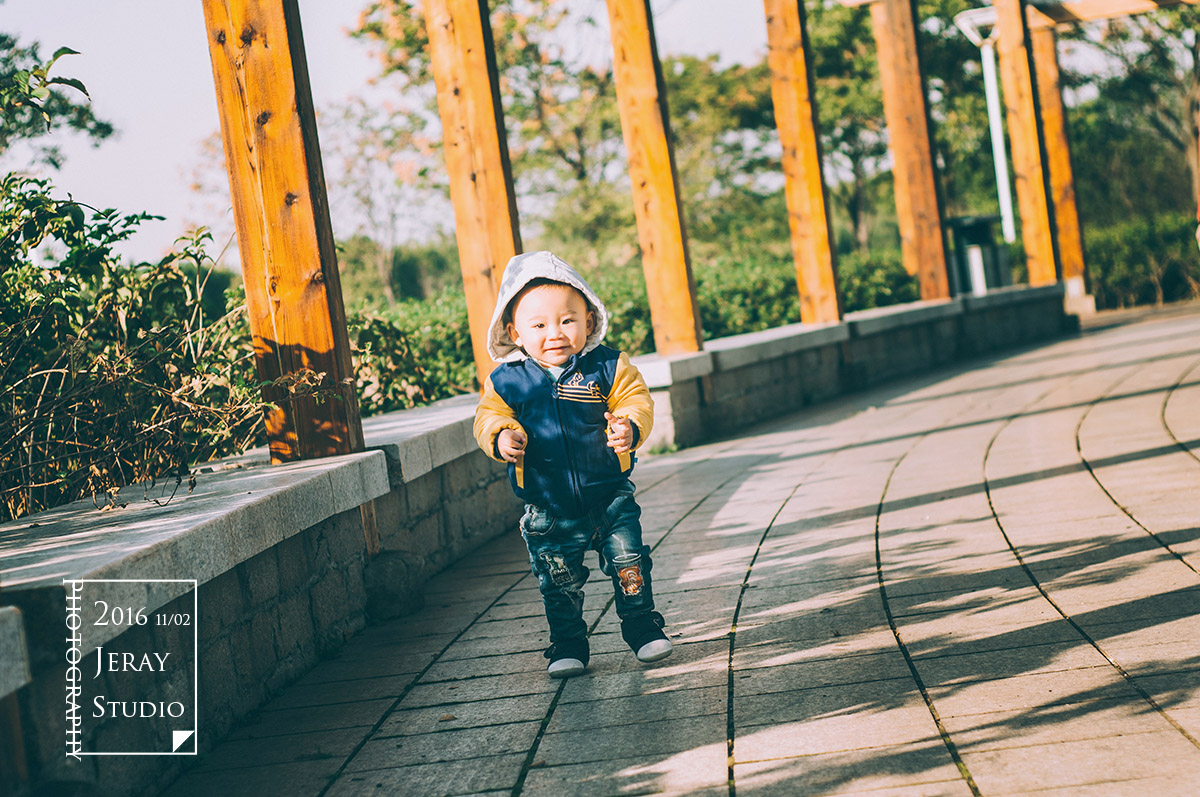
[567,467]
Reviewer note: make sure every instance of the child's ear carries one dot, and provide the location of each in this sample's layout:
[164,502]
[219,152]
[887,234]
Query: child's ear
[511,329]
[591,321]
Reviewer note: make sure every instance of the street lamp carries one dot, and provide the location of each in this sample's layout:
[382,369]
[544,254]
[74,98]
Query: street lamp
[970,22]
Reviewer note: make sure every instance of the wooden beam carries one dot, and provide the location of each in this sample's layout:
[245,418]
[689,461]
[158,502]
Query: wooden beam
[1049,15]
[476,147]
[1058,152]
[645,125]
[289,261]
[918,209]
[807,202]
[1021,107]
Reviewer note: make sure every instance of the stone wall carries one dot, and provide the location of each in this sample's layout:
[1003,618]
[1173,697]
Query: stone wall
[283,580]
[744,379]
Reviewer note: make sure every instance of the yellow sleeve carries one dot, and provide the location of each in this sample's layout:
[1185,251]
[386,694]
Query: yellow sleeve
[491,416]
[630,398]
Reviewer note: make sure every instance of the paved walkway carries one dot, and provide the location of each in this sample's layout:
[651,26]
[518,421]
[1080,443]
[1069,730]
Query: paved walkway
[983,581]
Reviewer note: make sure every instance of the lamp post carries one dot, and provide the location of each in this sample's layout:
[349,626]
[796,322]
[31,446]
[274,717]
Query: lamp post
[970,22]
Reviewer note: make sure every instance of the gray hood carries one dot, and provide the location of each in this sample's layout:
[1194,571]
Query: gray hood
[519,272]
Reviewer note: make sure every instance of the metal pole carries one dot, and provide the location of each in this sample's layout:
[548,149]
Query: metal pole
[969,22]
[987,54]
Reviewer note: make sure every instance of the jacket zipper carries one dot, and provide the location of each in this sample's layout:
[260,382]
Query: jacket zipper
[567,447]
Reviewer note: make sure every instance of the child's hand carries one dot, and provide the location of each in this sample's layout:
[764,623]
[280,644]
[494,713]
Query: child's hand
[620,433]
[511,445]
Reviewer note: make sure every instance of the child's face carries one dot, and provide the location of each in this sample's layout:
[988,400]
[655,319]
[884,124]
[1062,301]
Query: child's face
[551,323]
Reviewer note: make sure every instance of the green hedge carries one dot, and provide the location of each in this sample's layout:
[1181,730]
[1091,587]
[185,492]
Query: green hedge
[421,351]
[1143,261]
[413,354]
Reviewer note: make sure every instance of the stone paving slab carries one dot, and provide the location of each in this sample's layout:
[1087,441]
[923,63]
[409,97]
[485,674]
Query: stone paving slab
[444,745]
[852,770]
[359,714]
[802,703]
[639,709]
[700,771]
[910,724]
[433,719]
[328,745]
[1031,519]
[475,775]
[294,777]
[1090,761]
[1095,719]
[653,737]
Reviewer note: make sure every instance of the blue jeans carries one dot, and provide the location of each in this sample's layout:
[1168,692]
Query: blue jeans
[556,548]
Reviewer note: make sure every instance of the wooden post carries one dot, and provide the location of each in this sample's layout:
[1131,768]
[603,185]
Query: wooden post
[481,186]
[918,208]
[1058,151]
[642,100]
[1021,108]
[289,263]
[796,118]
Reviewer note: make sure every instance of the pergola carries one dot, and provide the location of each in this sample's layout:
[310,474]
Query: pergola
[287,248]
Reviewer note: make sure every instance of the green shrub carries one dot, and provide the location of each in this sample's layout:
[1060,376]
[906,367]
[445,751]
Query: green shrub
[413,354]
[110,372]
[1143,261]
[734,296]
[875,278]
[746,294]
[623,291]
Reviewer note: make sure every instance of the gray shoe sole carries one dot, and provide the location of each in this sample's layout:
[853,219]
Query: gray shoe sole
[565,668]
[655,650]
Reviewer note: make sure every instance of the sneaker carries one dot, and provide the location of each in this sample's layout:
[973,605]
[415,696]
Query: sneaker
[645,637]
[568,658]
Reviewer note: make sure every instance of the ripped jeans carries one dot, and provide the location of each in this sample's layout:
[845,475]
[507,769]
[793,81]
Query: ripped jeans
[556,548]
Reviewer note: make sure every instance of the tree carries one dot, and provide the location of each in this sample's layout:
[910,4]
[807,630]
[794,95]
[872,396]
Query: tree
[386,186]
[850,108]
[958,105]
[32,102]
[1146,87]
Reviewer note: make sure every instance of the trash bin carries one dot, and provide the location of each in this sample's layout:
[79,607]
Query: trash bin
[979,263]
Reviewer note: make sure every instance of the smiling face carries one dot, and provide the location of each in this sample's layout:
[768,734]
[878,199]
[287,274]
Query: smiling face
[551,323]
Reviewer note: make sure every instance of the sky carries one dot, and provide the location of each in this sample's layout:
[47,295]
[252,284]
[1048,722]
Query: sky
[146,66]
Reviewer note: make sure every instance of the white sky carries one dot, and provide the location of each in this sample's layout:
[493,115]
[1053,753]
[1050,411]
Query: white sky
[146,65]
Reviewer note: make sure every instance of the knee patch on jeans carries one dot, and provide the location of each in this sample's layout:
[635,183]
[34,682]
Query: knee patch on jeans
[628,568]
[560,571]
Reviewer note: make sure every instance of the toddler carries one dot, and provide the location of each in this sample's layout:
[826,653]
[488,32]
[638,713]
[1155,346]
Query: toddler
[566,414]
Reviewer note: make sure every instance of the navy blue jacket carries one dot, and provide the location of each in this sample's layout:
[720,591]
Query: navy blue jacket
[568,467]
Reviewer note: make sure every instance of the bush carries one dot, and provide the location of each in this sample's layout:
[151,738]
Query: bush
[110,372]
[746,294]
[623,291]
[1143,261]
[875,278]
[733,295]
[413,354]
